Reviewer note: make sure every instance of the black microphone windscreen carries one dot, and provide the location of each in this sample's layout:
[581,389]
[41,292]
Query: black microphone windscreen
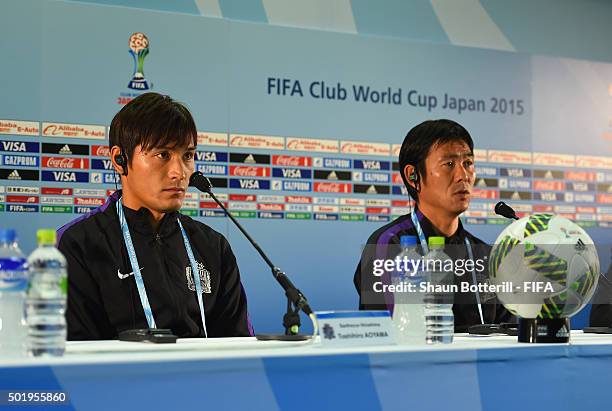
[199,181]
[505,210]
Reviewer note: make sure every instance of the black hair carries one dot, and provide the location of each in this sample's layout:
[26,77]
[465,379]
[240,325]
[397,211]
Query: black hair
[419,141]
[152,120]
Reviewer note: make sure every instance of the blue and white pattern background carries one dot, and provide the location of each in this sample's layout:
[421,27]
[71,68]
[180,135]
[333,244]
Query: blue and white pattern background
[67,62]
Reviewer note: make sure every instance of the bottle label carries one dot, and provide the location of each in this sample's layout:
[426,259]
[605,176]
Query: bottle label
[64,285]
[15,284]
[13,275]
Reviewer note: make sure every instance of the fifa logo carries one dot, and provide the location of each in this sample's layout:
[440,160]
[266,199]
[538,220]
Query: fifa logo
[139,49]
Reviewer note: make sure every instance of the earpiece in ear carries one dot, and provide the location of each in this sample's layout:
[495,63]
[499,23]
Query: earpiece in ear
[121,160]
[415,179]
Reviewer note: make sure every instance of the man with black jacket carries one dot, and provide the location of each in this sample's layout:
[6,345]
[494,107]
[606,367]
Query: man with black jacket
[437,166]
[136,262]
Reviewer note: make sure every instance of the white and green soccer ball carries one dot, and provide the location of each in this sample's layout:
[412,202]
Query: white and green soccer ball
[551,263]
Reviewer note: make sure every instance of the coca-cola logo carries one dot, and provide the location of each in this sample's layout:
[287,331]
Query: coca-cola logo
[101,151]
[549,185]
[330,187]
[290,161]
[61,162]
[246,171]
[579,175]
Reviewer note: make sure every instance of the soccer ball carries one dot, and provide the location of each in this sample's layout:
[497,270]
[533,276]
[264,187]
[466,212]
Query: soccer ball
[549,265]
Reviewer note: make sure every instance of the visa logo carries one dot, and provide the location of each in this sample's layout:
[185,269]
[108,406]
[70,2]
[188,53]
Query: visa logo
[399,191]
[249,184]
[13,146]
[371,164]
[291,173]
[64,176]
[548,196]
[210,156]
[20,146]
[101,164]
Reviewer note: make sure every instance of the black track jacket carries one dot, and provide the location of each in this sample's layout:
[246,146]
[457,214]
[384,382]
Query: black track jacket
[103,299]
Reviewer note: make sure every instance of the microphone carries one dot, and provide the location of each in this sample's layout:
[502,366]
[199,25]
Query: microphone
[295,296]
[505,210]
[201,182]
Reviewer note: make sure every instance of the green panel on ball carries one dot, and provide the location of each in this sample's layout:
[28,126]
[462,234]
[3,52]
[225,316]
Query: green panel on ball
[548,265]
[501,250]
[536,223]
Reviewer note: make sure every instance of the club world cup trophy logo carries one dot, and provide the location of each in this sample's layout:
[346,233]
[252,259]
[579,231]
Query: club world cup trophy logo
[139,49]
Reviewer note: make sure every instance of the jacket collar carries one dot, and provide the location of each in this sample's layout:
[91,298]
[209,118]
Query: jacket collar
[140,220]
[429,230]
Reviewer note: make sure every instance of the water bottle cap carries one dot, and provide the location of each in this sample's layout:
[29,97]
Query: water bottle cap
[436,241]
[408,240]
[7,235]
[46,236]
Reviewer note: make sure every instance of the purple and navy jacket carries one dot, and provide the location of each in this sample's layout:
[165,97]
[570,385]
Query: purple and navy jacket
[384,244]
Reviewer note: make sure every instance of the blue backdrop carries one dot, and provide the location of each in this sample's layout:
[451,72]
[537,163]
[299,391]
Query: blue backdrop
[541,124]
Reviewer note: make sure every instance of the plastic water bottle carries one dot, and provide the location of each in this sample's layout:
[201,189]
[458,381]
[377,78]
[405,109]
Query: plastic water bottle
[439,317]
[408,310]
[13,285]
[46,299]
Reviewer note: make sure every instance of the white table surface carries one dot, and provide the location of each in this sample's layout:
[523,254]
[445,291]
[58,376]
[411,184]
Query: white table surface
[100,352]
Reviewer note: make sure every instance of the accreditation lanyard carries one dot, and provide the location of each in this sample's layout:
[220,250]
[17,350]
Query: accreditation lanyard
[468,245]
[144,300]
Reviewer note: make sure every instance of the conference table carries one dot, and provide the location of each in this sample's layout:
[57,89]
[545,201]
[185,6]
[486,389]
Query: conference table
[473,373]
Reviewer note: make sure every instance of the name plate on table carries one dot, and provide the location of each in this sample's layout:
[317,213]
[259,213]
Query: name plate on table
[355,328]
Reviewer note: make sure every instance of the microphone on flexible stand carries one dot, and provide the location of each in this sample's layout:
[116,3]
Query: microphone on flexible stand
[291,321]
[505,210]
